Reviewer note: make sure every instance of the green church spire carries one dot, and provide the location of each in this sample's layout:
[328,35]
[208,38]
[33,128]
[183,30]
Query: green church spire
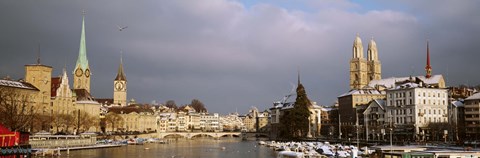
[82,61]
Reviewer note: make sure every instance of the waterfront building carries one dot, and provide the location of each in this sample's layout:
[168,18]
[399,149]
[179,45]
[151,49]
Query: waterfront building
[120,86]
[374,120]
[17,95]
[210,123]
[472,117]
[329,121]
[40,76]
[348,103]
[232,122]
[256,121]
[414,107]
[62,101]
[456,120]
[136,118]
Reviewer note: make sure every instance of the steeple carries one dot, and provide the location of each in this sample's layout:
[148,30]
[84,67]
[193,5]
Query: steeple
[298,76]
[121,74]
[82,61]
[428,68]
[357,47]
[372,51]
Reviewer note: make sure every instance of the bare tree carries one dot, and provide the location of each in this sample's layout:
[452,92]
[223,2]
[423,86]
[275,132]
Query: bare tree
[114,119]
[198,105]
[16,109]
[84,121]
[171,104]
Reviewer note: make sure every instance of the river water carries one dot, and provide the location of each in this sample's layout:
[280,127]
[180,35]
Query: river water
[182,148]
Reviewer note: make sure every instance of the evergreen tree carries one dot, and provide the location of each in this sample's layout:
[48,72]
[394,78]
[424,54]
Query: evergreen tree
[294,122]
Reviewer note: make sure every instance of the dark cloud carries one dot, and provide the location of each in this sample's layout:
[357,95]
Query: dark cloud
[230,55]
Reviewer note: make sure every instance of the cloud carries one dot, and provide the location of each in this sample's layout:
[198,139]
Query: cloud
[230,54]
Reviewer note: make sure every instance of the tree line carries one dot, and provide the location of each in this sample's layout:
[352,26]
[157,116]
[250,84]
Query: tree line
[195,104]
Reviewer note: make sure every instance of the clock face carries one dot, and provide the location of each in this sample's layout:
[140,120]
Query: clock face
[119,86]
[78,72]
[87,73]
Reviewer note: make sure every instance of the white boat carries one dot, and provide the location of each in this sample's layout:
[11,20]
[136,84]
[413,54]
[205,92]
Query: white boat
[289,154]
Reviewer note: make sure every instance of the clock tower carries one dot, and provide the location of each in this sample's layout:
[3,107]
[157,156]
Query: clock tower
[81,73]
[120,87]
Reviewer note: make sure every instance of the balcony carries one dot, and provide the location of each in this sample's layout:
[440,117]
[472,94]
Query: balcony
[421,114]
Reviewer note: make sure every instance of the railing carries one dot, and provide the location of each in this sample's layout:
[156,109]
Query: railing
[53,143]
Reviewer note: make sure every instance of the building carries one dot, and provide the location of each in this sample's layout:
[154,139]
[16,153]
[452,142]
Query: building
[374,120]
[62,101]
[40,76]
[414,107]
[136,118]
[363,71]
[472,117]
[18,95]
[349,102]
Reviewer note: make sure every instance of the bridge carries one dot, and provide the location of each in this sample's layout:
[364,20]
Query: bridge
[191,135]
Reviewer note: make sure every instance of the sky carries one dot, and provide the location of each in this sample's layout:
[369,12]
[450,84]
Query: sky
[233,55]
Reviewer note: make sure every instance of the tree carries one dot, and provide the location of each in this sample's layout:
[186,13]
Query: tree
[114,120]
[295,122]
[84,121]
[171,104]
[198,105]
[16,110]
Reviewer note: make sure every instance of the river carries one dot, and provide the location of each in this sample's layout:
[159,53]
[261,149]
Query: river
[182,148]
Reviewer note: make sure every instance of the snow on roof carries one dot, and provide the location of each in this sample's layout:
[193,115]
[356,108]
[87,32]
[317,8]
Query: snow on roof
[361,91]
[457,103]
[406,85]
[475,96]
[16,84]
[390,82]
[380,102]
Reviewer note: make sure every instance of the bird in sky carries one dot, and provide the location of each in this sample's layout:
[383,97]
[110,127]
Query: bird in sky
[121,28]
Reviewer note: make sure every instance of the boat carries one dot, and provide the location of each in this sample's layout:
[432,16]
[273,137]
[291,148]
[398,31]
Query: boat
[136,141]
[290,154]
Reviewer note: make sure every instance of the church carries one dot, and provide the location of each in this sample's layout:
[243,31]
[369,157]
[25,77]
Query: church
[56,99]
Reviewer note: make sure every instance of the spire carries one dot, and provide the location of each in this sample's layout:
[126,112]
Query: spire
[298,75]
[428,68]
[82,61]
[38,55]
[372,50]
[121,74]
[357,47]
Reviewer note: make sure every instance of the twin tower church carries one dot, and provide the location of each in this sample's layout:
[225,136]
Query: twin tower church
[362,70]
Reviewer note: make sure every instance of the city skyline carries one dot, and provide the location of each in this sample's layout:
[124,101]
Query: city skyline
[238,54]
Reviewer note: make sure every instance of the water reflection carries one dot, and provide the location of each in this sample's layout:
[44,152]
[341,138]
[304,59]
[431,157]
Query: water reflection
[182,148]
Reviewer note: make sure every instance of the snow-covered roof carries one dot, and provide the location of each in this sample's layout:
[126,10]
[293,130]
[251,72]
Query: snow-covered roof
[475,96]
[390,82]
[457,103]
[361,91]
[17,84]
[406,85]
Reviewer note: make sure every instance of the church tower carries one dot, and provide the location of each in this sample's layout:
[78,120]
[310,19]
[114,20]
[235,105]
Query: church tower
[81,74]
[374,67]
[428,68]
[120,86]
[358,66]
